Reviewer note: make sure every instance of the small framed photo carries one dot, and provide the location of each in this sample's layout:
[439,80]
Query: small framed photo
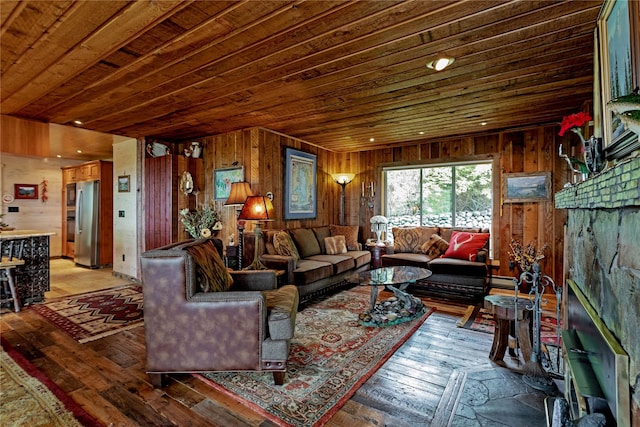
[25,191]
[123,183]
[526,187]
[222,180]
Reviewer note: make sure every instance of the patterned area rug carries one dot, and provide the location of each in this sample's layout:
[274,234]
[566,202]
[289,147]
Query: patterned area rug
[28,398]
[331,356]
[90,316]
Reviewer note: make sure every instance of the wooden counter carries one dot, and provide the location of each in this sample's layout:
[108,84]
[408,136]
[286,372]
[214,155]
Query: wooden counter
[32,279]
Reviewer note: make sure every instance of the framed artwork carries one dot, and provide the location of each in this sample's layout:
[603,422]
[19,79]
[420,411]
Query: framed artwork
[25,191]
[526,187]
[123,183]
[300,198]
[618,42]
[222,180]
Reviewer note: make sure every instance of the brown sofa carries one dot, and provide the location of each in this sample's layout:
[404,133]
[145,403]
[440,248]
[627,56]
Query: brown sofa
[454,278]
[244,327]
[313,271]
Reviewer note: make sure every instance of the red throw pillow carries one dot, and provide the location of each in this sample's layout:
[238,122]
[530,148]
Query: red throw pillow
[465,245]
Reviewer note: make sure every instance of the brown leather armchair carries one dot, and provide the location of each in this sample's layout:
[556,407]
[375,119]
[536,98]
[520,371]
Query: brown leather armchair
[246,328]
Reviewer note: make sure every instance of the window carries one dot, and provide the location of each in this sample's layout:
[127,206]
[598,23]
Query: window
[452,195]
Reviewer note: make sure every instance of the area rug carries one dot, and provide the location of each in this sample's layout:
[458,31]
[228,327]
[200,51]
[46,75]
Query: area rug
[331,356]
[94,315]
[29,398]
[478,318]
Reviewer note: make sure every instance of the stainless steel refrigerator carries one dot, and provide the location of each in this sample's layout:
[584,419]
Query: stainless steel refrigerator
[87,248]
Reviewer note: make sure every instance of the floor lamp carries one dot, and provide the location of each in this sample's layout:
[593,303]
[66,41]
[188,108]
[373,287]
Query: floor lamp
[342,179]
[237,196]
[257,208]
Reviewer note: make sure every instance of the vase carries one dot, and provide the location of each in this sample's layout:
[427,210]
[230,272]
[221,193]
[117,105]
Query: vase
[195,150]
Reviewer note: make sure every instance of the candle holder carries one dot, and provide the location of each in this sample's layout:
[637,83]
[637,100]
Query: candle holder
[368,195]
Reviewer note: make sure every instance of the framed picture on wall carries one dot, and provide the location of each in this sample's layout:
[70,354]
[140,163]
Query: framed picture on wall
[526,187]
[618,42]
[123,183]
[222,180]
[25,191]
[300,196]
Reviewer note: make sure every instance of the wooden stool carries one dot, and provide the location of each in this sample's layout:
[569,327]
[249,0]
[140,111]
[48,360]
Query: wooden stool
[504,313]
[7,265]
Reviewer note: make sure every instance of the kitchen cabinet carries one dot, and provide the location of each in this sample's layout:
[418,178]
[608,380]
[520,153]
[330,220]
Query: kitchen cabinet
[97,170]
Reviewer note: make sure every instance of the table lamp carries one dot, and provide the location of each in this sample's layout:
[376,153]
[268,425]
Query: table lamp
[257,208]
[237,196]
[378,225]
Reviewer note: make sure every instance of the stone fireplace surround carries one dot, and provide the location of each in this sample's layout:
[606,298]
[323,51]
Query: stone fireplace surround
[603,255]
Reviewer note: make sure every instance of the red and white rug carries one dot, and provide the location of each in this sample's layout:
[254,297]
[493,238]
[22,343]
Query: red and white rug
[330,357]
[90,316]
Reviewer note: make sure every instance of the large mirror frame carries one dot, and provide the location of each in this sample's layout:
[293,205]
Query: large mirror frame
[616,38]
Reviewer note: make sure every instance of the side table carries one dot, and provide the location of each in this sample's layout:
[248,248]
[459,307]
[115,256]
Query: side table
[504,313]
[376,254]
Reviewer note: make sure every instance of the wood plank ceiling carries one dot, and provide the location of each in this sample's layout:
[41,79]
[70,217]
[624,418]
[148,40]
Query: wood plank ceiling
[333,73]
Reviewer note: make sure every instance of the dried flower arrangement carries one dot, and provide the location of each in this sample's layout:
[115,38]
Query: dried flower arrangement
[525,256]
[202,222]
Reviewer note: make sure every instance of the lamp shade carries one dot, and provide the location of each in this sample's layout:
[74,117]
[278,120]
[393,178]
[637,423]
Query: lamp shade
[257,208]
[343,178]
[238,193]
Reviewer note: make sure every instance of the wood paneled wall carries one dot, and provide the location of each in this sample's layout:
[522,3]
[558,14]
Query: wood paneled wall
[24,137]
[261,152]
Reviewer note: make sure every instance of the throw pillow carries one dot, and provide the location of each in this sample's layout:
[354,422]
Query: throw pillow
[284,245]
[306,242]
[211,273]
[350,233]
[435,246]
[465,245]
[335,245]
[321,233]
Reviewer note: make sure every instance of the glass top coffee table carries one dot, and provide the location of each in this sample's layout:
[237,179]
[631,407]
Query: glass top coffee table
[402,307]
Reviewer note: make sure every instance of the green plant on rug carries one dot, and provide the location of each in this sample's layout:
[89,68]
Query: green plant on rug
[31,399]
[330,357]
[90,316]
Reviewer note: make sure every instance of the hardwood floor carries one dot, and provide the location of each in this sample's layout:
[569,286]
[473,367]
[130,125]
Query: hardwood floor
[107,377]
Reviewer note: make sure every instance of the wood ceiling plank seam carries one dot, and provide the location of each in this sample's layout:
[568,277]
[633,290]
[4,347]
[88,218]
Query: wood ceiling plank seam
[144,61]
[138,95]
[196,106]
[33,24]
[7,19]
[92,47]
[47,49]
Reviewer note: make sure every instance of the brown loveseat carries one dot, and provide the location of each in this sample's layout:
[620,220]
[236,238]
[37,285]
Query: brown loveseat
[312,266]
[461,275]
[196,320]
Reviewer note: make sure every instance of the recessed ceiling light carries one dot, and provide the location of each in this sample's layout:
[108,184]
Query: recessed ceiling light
[421,133]
[440,63]
[483,123]
[79,151]
[59,156]
[77,122]
[371,139]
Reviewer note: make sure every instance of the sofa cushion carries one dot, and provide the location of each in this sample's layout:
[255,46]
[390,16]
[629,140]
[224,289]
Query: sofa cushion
[405,258]
[457,267]
[322,233]
[268,241]
[350,233]
[411,239]
[360,257]
[340,263]
[306,242]
[211,273]
[465,245]
[284,245]
[308,271]
[434,247]
[335,245]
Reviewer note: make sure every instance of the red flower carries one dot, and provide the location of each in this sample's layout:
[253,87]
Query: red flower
[573,121]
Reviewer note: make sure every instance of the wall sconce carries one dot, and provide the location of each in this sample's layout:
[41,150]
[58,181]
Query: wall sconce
[368,195]
[342,179]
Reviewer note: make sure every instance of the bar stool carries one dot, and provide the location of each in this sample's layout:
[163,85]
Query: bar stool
[8,263]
